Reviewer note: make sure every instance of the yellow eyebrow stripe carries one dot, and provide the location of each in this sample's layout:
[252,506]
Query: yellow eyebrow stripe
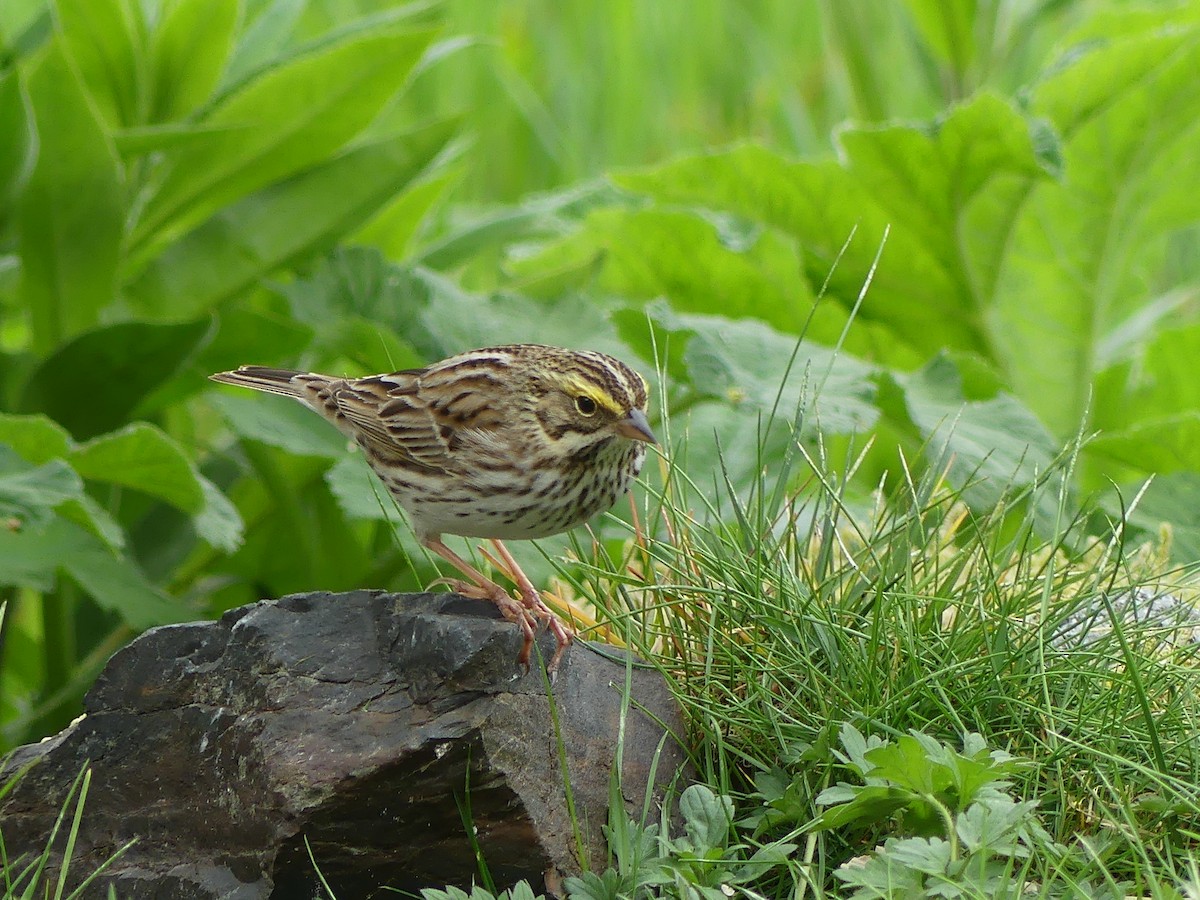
[581,386]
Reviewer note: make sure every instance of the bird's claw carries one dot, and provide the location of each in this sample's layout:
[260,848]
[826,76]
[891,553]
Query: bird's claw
[527,613]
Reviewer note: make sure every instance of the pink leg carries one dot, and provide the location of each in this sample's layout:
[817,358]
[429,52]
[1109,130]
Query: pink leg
[533,602]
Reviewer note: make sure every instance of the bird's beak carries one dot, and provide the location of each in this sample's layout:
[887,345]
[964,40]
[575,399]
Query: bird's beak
[636,428]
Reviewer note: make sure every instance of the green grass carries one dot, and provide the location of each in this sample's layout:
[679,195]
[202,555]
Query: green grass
[783,612]
[46,874]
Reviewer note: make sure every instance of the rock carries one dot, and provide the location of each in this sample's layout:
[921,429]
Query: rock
[1160,618]
[368,724]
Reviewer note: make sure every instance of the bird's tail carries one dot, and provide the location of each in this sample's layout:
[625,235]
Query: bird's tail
[287,382]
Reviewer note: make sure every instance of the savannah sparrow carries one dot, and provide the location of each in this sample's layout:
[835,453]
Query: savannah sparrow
[514,442]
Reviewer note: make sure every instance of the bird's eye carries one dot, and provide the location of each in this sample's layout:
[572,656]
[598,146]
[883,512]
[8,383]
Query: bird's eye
[586,405]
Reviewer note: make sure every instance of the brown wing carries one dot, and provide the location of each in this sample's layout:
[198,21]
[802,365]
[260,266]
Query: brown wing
[386,415]
[393,416]
[421,418]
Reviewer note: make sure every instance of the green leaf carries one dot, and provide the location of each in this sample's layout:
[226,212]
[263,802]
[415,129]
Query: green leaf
[394,228]
[33,559]
[706,816]
[971,169]
[914,185]
[881,876]
[290,118]
[948,30]
[141,457]
[1130,116]
[89,514]
[358,303]
[264,39]
[906,764]
[651,253]
[592,886]
[747,362]
[1161,445]
[533,217]
[450,893]
[188,51]
[114,582]
[1174,499]
[989,445]
[460,320]
[856,745]
[18,144]
[931,856]
[218,521]
[764,859]
[246,335]
[282,224]
[23,561]
[144,139]
[522,891]
[1153,380]
[106,42]
[114,368]
[71,216]
[35,438]
[359,493]
[994,826]
[281,422]
[29,493]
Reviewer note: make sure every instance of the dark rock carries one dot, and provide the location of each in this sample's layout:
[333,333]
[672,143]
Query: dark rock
[367,724]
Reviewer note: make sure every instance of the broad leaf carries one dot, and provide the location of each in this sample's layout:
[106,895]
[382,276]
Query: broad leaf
[1174,499]
[905,189]
[95,383]
[1162,444]
[18,144]
[1130,116]
[37,439]
[218,521]
[245,335]
[990,445]
[188,52]
[359,493]
[281,422]
[114,582]
[460,320]
[746,362]
[72,214]
[706,816]
[687,259]
[106,41]
[394,228]
[264,39]
[29,494]
[948,30]
[141,457]
[537,216]
[35,559]
[287,119]
[282,224]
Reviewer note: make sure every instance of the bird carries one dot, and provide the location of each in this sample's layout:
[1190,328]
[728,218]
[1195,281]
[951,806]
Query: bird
[513,442]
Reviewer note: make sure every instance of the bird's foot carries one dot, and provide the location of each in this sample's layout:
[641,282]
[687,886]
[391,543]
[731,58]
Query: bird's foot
[511,609]
[563,633]
[532,602]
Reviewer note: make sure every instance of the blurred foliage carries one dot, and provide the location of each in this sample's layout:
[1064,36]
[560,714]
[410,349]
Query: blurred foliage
[997,253]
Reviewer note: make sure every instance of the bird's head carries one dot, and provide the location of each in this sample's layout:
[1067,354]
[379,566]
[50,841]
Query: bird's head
[585,398]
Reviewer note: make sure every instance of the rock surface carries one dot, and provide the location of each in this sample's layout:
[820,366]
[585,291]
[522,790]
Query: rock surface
[364,723]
